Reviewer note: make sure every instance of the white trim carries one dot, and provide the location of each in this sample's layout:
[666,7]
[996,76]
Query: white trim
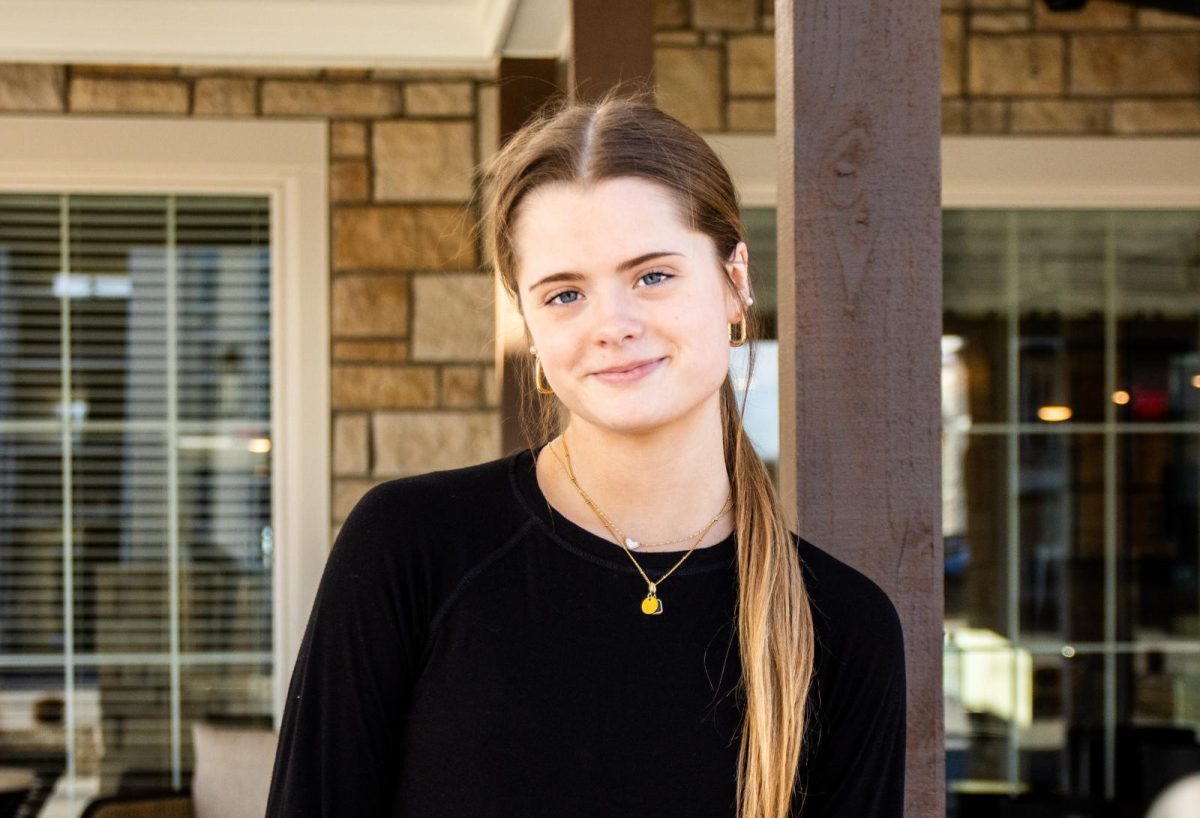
[536,28]
[750,160]
[1070,172]
[286,161]
[1010,171]
[420,35]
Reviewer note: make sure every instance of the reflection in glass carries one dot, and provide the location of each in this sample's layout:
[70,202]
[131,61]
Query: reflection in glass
[136,542]
[1158,596]
[1061,544]
[1066,335]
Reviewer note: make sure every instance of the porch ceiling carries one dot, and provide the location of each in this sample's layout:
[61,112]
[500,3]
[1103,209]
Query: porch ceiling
[432,34]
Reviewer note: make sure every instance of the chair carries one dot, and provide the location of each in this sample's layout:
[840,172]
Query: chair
[231,780]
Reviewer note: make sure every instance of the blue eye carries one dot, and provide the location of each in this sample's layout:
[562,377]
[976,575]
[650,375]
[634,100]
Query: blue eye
[554,299]
[665,276]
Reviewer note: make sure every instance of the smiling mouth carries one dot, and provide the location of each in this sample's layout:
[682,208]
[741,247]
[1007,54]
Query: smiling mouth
[629,373]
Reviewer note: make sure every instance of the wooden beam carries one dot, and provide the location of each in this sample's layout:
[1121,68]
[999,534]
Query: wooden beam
[612,41]
[860,308]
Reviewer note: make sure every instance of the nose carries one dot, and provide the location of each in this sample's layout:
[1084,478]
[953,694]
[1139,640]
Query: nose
[616,320]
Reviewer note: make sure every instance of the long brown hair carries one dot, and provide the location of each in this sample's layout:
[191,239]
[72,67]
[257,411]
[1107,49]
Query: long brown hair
[624,134]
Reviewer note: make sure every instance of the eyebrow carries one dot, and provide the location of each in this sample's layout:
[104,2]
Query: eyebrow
[571,275]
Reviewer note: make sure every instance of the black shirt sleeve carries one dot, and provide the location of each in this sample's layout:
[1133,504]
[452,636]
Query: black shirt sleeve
[855,746]
[355,663]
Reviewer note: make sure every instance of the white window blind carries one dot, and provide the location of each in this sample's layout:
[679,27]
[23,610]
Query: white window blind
[135,482]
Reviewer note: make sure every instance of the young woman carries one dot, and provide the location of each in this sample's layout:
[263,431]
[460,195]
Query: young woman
[615,621]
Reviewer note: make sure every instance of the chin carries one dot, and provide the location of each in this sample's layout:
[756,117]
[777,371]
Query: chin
[635,416]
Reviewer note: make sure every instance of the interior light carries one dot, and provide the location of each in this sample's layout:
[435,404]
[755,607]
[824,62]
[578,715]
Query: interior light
[1054,414]
[259,445]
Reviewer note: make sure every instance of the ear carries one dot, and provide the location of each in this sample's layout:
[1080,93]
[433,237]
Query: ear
[738,268]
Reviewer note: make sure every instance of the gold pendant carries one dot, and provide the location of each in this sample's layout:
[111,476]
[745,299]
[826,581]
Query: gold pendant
[652,605]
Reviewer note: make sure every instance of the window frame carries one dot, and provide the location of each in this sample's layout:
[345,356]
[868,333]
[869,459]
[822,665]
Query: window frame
[286,161]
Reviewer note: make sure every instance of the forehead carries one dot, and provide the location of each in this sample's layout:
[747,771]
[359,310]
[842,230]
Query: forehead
[567,225]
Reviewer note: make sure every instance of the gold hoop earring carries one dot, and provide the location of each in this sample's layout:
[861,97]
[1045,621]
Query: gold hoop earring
[539,378]
[740,338]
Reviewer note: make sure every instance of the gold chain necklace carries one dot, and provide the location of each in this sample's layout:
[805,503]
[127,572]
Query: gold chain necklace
[651,605]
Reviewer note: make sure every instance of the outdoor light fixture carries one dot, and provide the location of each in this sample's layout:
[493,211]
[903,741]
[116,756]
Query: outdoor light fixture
[1189,7]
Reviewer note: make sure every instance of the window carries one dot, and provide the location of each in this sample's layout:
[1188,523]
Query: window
[135,532]
[163,412]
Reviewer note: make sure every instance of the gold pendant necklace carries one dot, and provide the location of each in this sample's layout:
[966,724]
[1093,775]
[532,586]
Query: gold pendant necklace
[651,605]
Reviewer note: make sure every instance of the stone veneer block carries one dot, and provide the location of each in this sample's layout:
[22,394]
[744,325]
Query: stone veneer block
[689,85]
[488,122]
[1135,63]
[123,70]
[1024,64]
[439,99]
[952,54]
[430,237]
[1156,19]
[751,60]
[954,119]
[348,181]
[1174,116]
[284,98]
[370,351]
[128,96]
[999,21]
[348,140]
[453,318]
[254,71]
[681,37]
[29,87]
[987,116]
[1054,116]
[491,387]
[670,13]
[370,305]
[383,387]
[351,444]
[727,14]
[225,96]
[347,73]
[407,443]
[461,386]
[423,160]
[752,115]
[346,494]
[1097,14]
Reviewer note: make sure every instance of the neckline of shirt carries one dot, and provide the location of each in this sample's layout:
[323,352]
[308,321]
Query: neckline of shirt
[575,538]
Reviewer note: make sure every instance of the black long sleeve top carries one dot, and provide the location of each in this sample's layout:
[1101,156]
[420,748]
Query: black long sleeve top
[472,652]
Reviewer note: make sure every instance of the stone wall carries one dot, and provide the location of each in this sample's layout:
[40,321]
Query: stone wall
[413,380]
[1008,67]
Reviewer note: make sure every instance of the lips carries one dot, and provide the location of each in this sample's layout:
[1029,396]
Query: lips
[629,372]
[627,368]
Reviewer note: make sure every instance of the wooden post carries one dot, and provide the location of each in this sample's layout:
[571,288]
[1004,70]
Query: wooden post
[612,41]
[860,305]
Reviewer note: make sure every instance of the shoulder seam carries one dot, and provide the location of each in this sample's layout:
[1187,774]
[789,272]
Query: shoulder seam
[475,571]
